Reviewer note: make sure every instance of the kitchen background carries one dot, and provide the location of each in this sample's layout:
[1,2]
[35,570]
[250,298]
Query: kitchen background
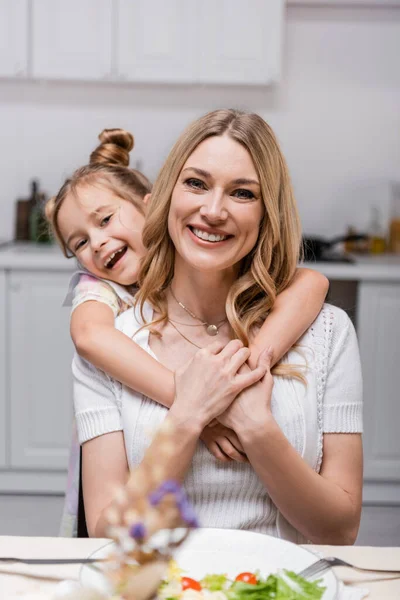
[331,91]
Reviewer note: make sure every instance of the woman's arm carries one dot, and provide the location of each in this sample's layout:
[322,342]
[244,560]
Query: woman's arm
[104,470]
[325,507]
[293,312]
[96,340]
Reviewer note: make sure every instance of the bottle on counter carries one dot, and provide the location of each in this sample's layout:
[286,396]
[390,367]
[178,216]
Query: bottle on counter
[350,245]
[394,228]
[38,227]
[377,237]
[24,207]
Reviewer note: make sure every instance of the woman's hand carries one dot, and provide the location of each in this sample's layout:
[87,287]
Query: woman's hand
[209,383]
[252,406]
[223,443]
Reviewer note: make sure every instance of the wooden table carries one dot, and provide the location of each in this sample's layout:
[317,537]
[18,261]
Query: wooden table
[40,582]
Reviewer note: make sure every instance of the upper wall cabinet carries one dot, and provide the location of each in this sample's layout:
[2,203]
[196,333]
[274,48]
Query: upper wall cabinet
[240,42]
[13,38]
[155,40]
[192,41]
[72,39]
[143,41]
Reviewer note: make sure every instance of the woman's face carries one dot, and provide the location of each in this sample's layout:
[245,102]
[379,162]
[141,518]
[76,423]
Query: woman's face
[104,232]
[216,206]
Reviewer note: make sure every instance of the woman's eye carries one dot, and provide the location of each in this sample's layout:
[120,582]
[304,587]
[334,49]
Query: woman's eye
[106,220]
[196,184]
[243,194]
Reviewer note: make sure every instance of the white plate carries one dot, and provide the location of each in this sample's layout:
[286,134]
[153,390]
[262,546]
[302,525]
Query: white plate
[228,551]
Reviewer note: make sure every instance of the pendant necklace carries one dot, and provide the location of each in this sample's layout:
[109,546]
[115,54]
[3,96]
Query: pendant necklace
[211,328]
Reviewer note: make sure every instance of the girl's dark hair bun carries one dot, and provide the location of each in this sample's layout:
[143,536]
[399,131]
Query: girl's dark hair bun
[114,148]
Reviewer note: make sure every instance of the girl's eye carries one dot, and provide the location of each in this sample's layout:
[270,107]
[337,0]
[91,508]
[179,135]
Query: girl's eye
[80,245]
[196,184]
[106,220]
[243,194]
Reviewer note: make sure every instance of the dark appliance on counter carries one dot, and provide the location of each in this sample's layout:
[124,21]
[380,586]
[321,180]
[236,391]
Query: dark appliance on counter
[318,249]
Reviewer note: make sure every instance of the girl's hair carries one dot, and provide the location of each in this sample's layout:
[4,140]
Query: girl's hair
[269,268]
[108,167]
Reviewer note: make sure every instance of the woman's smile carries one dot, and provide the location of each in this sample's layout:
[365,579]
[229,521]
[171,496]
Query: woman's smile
[208,236]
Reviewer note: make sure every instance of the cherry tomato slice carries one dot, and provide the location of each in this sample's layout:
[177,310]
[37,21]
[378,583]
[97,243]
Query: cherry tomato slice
[190,584]
[247,578]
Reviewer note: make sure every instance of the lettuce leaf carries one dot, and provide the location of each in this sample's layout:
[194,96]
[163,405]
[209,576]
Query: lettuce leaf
[215,583]
[285,586]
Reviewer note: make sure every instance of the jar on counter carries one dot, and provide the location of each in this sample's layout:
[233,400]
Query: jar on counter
[377,235]
[394,225]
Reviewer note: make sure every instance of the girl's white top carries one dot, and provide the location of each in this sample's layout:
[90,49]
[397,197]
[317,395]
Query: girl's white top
[230,495]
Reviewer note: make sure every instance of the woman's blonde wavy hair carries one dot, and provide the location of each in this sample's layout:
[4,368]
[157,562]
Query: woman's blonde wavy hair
[270,266]
[109,167]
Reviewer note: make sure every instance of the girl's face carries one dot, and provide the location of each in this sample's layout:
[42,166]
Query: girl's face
[216,206]
[104,232]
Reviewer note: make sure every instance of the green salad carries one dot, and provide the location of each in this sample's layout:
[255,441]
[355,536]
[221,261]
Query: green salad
[284,585]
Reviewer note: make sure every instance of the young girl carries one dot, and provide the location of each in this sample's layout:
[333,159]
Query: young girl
[98,216]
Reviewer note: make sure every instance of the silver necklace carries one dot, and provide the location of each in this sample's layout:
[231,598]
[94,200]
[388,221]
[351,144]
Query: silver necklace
[211,328]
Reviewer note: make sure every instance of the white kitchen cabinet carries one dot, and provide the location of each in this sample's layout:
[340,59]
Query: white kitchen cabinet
[3,371]
[155,40]
[13,38]
[240,43]
[378,327]
[40,382]
[187,41]
[72,40]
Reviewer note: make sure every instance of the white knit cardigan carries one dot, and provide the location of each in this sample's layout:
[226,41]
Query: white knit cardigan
[230,495]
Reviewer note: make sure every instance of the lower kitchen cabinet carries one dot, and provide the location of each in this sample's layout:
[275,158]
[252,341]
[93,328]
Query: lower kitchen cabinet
[3,371]
[37,404]
[378,328]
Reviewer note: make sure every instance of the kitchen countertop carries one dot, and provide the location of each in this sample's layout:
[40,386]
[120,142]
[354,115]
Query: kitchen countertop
[28,255]
[31,256]
[379,267]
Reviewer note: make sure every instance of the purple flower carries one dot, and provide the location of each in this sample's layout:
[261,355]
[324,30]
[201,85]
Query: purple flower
[167,487]
[187,512]
[137,531]
[173,487]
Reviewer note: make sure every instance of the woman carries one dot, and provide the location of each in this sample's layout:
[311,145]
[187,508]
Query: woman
[223,239]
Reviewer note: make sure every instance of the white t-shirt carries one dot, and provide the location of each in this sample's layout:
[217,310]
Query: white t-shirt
[230,495]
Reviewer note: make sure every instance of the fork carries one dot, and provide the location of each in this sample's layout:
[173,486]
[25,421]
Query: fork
[50,561]
[322,565]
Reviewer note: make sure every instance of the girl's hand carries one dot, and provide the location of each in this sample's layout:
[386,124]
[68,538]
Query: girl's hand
[209,383]
[223,443]
[253,405]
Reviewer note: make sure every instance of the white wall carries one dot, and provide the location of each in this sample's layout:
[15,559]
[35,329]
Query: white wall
[337,114]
